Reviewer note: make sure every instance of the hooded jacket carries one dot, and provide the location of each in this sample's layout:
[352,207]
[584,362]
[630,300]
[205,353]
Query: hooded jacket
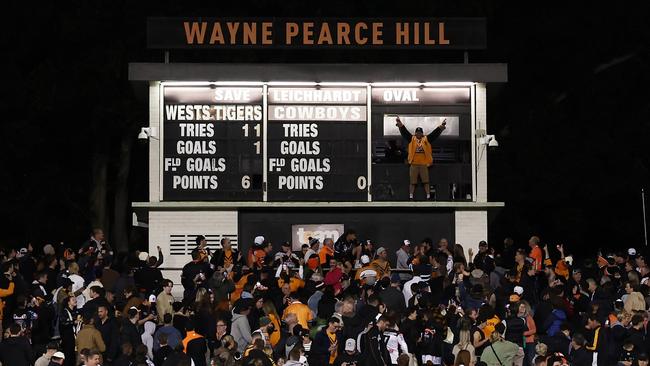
[241,331]
[554,321]
[147,337]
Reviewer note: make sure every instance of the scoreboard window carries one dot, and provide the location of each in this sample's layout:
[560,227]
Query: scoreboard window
[212,143]
[317,144]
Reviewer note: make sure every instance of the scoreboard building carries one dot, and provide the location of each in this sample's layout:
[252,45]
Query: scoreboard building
[290,151]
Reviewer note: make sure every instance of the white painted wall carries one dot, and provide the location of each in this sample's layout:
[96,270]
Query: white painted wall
[471,227]
[166,225]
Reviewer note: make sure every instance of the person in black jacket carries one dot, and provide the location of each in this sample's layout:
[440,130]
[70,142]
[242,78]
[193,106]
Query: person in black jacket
[130,332]
[110,331]
[68,320]
[226,257]
[15,350]
[515,326]
[372,345]
[324,349]
[580,356]
[162,353]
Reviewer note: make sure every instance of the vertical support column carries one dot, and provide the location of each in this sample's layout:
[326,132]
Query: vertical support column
[474,147]
[369,139]
[471,227]
[265,103]
[481,123]
[155,145]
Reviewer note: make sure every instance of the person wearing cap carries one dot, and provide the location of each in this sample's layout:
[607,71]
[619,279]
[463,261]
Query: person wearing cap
[364,261]
[265,330]
[350,355]
[286,256]
[381,264]
[50,349]
[314,246]
[57,359]
[420,154]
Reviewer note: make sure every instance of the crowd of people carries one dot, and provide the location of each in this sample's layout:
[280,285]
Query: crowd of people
[343,302]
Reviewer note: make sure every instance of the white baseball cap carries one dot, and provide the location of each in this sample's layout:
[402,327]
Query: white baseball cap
[368,273]
[259,240]
[143,256]
[365,259]
[59,354]
[152,298]
[519,290]
[631,251]
[350,345]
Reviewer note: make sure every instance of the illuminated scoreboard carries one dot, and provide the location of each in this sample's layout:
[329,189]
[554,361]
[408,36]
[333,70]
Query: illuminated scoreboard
[317,144]
[275,142]
[212,143]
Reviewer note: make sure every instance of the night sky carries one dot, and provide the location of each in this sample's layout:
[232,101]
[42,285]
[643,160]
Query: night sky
[572,121]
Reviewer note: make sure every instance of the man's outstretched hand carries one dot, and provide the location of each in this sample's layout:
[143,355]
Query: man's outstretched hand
[444,124]
[398,122]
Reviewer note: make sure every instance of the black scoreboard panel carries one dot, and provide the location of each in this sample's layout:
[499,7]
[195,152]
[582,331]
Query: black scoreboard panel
[317,144]
[277,142]
[212,143]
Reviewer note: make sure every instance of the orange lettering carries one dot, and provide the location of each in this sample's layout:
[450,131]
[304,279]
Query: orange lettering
[291,31]
[232,29]
[342,33]
[427,34]
[195,34]
[416,33]
[357,33]
[401,33]
[325,36]
[250,33]
[217,34]
[267,33]
[441,34]
[308,33]
[376,33]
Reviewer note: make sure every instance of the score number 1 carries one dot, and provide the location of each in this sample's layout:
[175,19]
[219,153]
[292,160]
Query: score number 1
[258,130]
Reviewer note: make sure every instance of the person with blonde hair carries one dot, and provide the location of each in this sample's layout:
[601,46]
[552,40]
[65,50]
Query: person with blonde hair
[464,358]
[464,341]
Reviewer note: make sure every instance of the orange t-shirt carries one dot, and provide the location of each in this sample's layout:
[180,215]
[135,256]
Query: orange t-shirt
[536,254]
[274,337]
[324,252]
[302,311]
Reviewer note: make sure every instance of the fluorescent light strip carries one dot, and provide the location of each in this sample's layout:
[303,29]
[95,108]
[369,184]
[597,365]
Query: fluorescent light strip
[216,83]
[291,83]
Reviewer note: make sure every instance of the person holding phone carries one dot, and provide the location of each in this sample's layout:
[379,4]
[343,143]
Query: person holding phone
[420,154]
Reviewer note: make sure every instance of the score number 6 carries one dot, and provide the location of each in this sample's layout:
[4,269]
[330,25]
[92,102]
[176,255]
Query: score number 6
[246,182]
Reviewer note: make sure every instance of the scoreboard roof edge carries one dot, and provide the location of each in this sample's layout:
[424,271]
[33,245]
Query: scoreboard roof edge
[477,72]
[356,204]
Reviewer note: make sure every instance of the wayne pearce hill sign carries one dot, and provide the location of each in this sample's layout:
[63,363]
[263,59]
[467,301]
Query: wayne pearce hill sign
[322,33]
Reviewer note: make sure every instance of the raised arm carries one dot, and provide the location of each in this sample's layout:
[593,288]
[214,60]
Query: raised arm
[437,131]
[402,129]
